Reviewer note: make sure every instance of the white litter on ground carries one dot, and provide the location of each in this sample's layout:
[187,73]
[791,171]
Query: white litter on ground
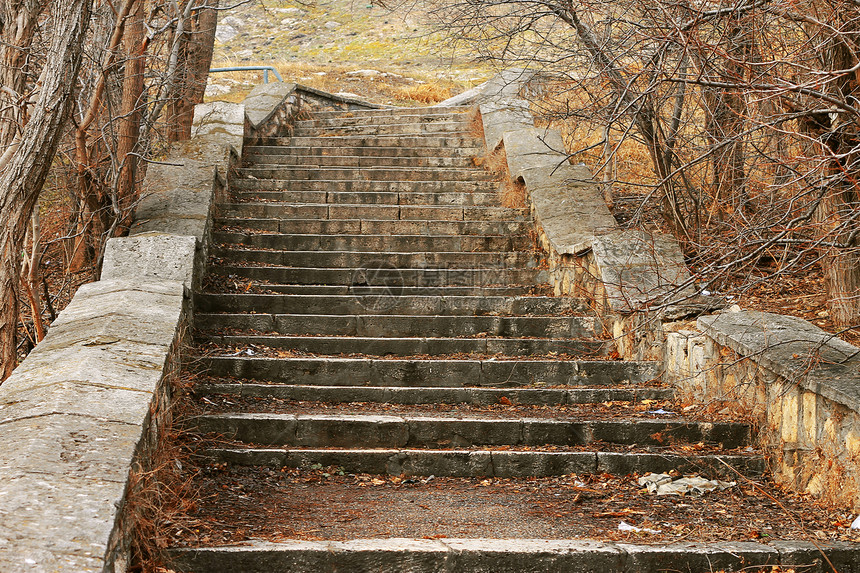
[664,484]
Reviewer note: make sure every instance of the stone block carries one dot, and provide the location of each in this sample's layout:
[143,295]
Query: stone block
[533,148]
[222,119]
[169,257]
[391,554]
[499,117]
[698,556]
[176,196]
[77,398]
[58,522]
[568,205]
[640,269]
[68,445]
[264,100]
[532,555]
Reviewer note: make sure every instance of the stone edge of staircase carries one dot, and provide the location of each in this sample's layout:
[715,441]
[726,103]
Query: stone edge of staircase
[502,555]
[801,384]
[81,414]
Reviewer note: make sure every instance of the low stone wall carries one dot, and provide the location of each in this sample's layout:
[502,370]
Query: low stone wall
[84,410]
[799,386]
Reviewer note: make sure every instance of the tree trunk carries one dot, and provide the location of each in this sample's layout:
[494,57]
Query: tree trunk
[199,43]
[837,212]
[27,166]
[128,129]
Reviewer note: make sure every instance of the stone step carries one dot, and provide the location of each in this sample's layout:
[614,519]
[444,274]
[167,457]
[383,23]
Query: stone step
[439,373]
[371,260]
[362,151]
[354,430]
[376,227]
[437,142]
[370,243]
[393,278]
[433,305]
[385,292]
[322,123]
[434,395]
[364,186]
[370,198]
[263,171]
[392,111]
[401,326]
[502,463]
[415,346]
[372,212]
[308,162]
[450,128]
[517,555]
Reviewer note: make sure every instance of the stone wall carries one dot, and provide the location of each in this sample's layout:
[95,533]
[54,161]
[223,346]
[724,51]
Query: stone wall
[84,410]
[799,386]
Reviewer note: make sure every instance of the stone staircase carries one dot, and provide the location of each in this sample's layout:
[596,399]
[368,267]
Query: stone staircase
[373,309]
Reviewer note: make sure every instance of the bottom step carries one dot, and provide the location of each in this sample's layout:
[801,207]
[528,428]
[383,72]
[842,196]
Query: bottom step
[516,555]
[490,463]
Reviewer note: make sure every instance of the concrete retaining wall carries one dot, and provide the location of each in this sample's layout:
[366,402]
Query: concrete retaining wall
[797,384]
[85,408]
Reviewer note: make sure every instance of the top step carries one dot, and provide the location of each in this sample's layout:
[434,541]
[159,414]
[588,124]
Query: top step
[348,119]
[390,112]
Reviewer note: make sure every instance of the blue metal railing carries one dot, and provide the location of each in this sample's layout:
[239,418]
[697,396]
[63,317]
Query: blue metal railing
[264,69]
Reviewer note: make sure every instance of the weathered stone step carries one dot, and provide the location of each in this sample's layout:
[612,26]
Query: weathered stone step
[477,555]
[354,430]
[507,463]
[363,185]
[306,161]
[353,259]
[372,198]
[263,171]
[393,278]
[363,151]
[460,128]
[439,141]
[376,227]
[433,395]
[392,111]
[386,291]
[441,373]
[391,301]
[369,243]
[402,326]
[376,119]
[414,346]
[372,212]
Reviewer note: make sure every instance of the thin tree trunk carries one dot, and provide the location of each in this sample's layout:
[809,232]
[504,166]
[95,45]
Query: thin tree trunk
[199,43]
[22,178]
[128,130]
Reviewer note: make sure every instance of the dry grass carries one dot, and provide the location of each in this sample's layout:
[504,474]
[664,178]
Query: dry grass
[476,125]
[426,93]
[160,494]
[513,193]
[385,87]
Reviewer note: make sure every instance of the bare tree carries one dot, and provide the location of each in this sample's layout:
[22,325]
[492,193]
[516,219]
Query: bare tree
[748,110]
[32,140]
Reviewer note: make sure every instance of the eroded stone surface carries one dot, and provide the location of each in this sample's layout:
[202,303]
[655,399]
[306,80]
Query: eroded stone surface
[534,148]
[164,256]
[639,269]
[263,101]
[222,119]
